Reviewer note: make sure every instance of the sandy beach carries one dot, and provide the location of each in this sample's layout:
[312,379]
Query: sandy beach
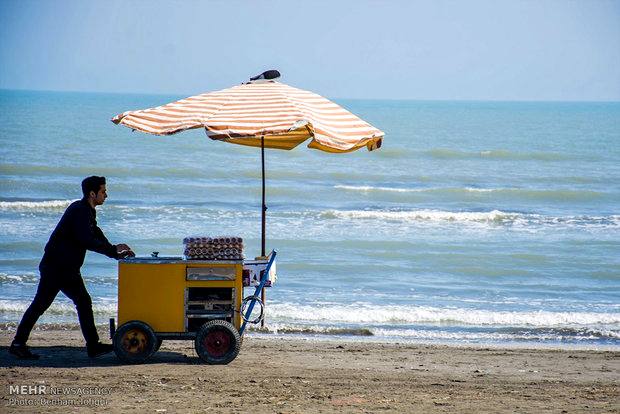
[301,376]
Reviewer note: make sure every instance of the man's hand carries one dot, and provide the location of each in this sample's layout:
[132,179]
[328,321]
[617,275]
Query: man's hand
[124,251]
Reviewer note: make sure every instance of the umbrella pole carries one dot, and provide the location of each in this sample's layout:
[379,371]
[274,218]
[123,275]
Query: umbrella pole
[264,211]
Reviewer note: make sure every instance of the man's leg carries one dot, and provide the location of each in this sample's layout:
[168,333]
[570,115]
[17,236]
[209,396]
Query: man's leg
[76,291]
[46,292]
[73,287]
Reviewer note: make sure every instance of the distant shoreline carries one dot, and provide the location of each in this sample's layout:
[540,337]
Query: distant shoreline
[8,328]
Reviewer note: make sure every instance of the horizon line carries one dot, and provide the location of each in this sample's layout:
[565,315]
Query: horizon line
[333,98]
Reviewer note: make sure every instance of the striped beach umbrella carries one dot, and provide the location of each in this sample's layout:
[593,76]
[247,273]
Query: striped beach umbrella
[261,113]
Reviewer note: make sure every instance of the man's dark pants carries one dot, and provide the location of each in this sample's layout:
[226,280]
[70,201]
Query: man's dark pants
[53,281]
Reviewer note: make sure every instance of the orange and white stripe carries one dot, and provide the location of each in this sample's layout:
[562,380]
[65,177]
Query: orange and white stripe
[283,115]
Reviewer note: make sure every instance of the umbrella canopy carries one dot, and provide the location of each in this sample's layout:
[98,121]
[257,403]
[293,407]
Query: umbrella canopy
[261,113]
[280,114]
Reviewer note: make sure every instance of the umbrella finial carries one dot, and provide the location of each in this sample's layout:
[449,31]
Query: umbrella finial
[266,76]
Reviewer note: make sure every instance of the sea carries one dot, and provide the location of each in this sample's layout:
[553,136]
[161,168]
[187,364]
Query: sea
[476,223]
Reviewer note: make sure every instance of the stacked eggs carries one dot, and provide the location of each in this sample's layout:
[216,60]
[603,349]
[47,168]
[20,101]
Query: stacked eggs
[213,248]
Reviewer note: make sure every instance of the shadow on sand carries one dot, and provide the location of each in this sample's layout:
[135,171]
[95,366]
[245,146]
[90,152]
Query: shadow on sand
[75,357]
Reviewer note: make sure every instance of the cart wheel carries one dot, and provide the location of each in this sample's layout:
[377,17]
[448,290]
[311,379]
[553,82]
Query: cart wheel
[158,344]
[134,342]
[217,342]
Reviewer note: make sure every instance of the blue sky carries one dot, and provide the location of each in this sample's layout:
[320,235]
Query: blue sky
[473,50]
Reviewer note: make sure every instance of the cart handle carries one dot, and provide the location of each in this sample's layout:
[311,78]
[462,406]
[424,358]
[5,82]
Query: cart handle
[263,281]
[244,305]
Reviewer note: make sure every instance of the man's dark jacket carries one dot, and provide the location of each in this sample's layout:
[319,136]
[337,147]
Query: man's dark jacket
[75,233]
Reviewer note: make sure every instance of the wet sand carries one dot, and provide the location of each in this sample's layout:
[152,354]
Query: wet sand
[299,376]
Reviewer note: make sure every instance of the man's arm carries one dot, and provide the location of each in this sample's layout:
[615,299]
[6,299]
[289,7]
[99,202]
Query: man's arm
[122,250]
[91,238]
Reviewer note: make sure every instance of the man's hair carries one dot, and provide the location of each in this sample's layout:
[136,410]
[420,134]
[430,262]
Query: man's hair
[92,183]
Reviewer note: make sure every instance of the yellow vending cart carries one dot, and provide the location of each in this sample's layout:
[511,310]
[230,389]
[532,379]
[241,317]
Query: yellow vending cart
[163,298]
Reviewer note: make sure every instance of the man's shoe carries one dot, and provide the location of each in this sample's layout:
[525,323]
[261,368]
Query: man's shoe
[98,349]
[22,352]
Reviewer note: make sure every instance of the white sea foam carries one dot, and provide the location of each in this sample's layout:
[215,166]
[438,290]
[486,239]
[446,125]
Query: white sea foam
[483,190]
[523,334]
[25,277]
[459,193]
[34,205]
[495,216]
[363,320]
[500,154]
[367,188]
[364,313]
[421,334]
[100,307]
[369,314]
[371,188]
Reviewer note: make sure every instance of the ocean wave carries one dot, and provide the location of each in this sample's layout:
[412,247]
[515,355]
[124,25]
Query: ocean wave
[312,330]
[446,153]
[513,335]
[532,337]
[106,307]
[465,193]
[367,188]
[185,215]
[26,277]
[127,210]
[365,313]
[369,314]
[33,278]
[496,217]
[422,334]
[133,171]
[414,323]
[34,206]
